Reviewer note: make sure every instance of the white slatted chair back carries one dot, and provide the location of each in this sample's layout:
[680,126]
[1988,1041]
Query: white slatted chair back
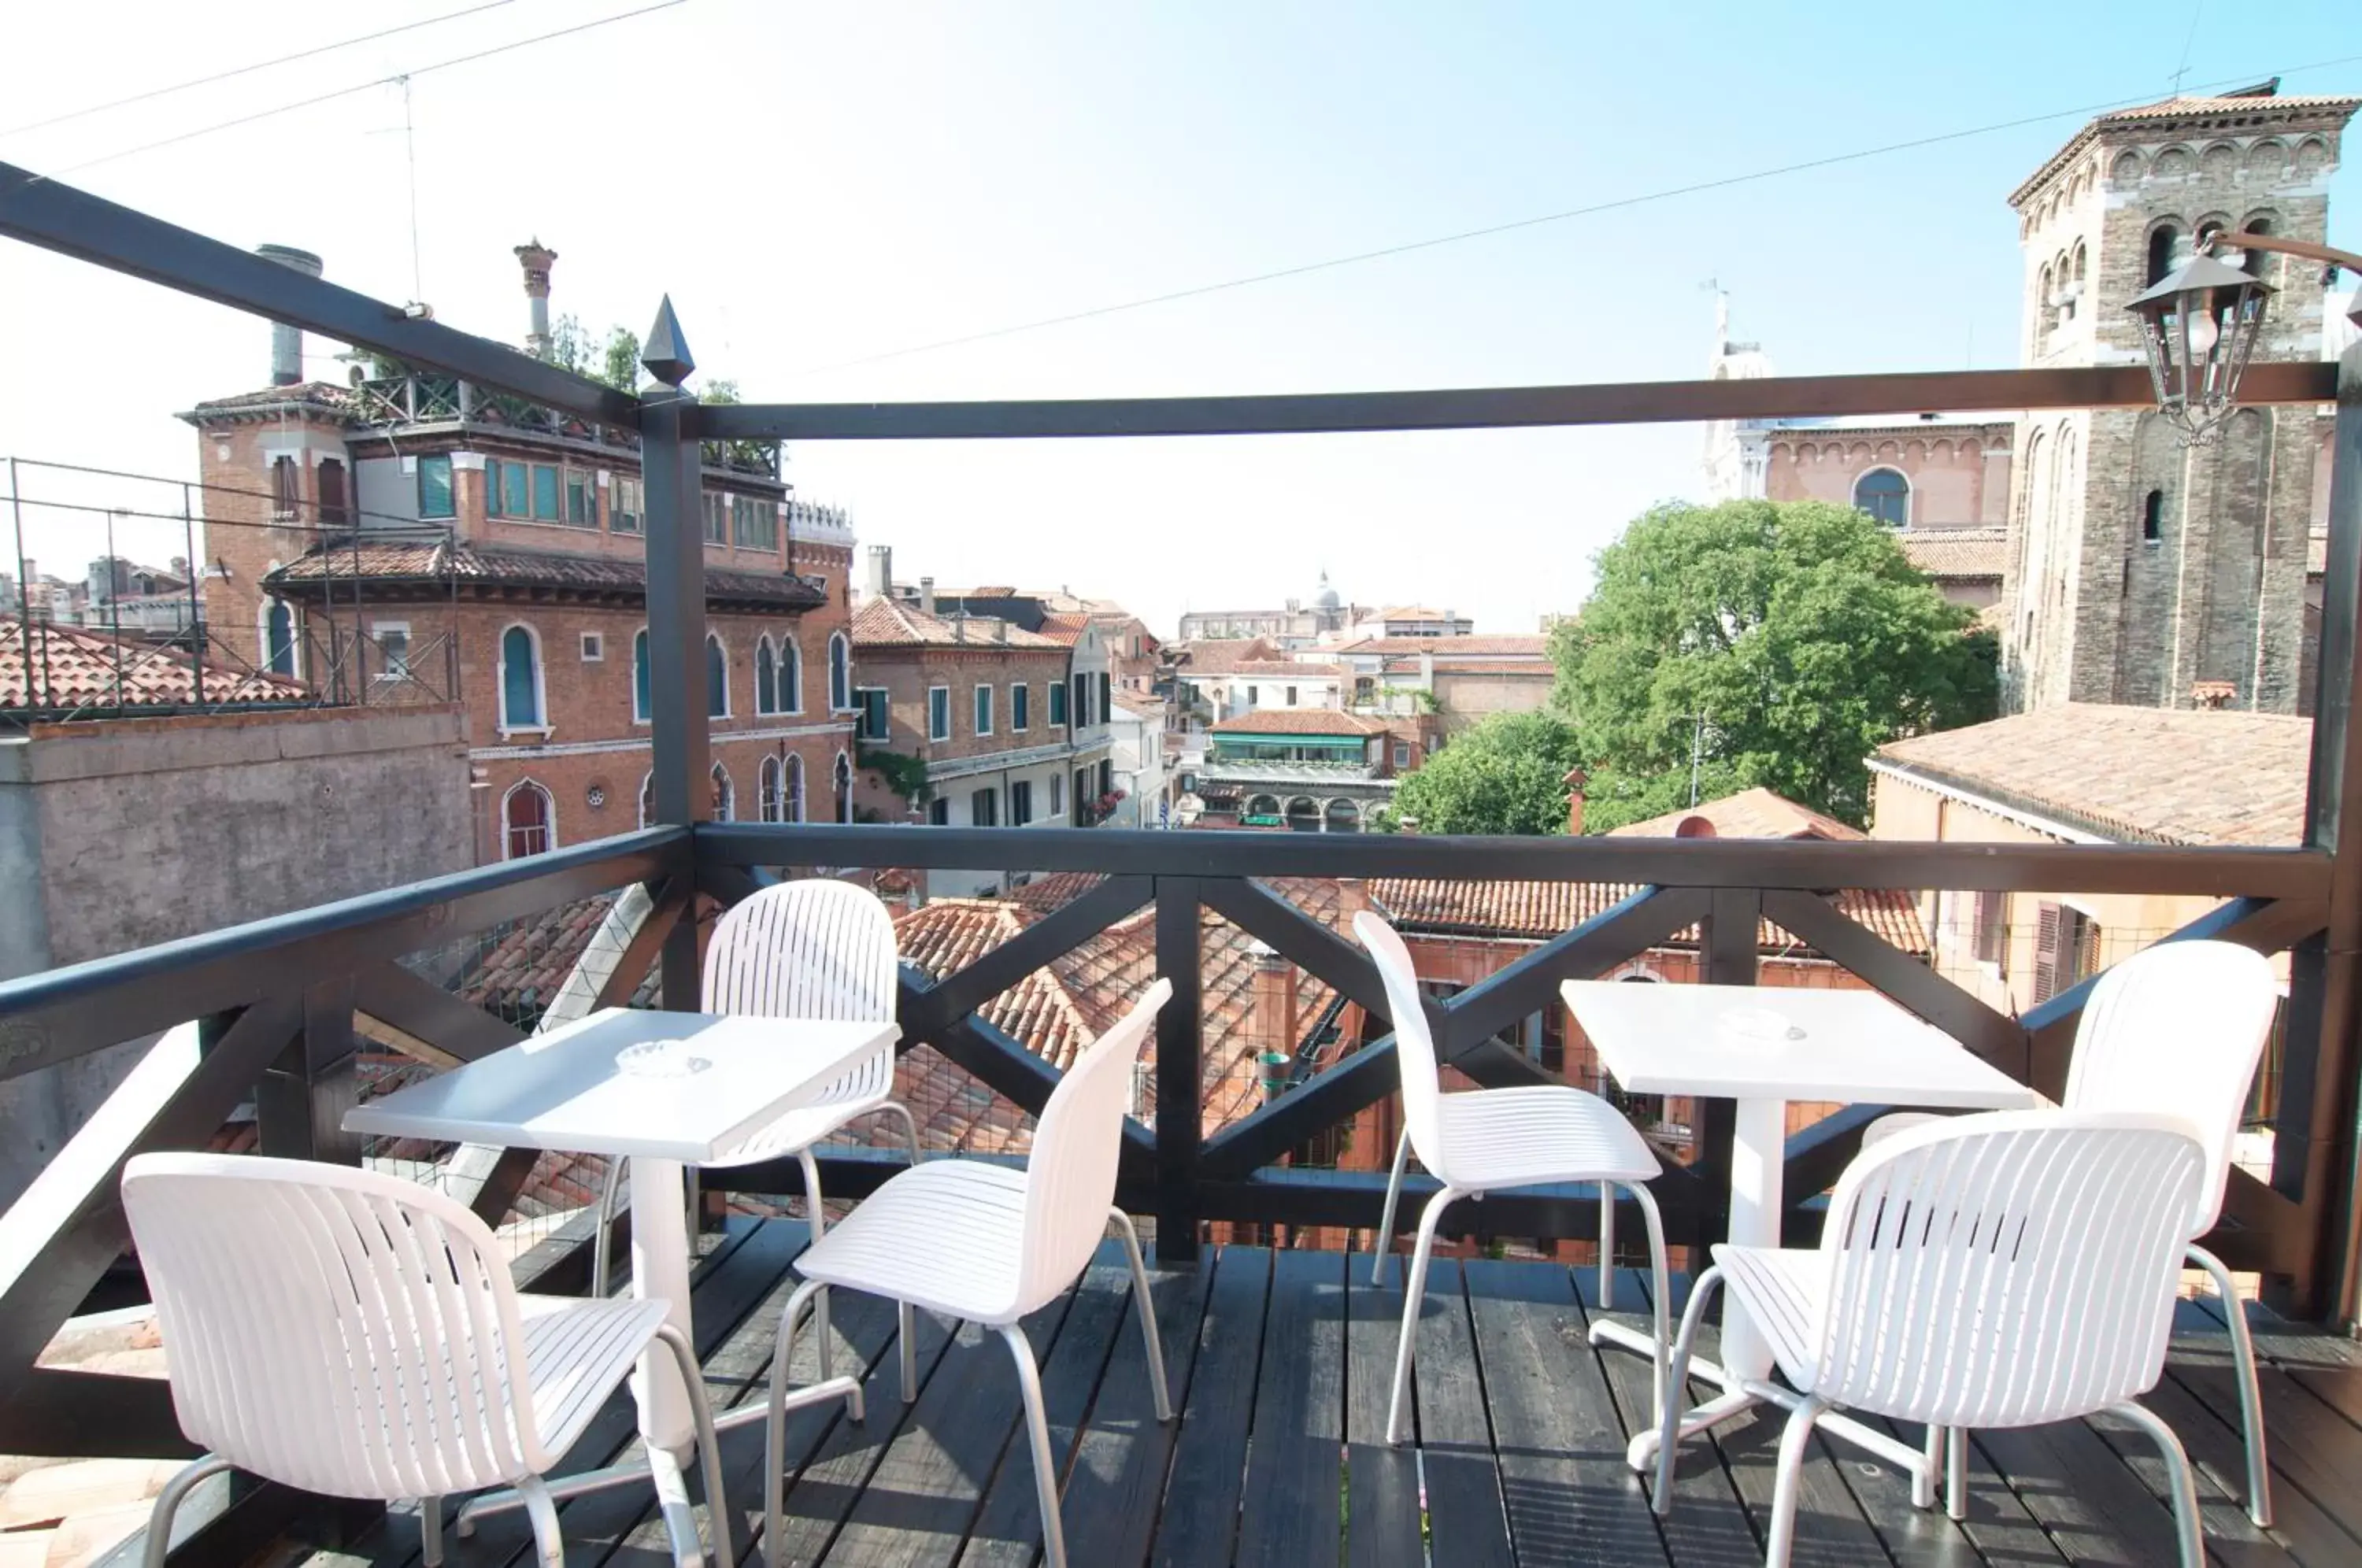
[1422,1084]
[340,1331]
[2178,1028]
[2006,1269]
[1070,1175]
[816,948]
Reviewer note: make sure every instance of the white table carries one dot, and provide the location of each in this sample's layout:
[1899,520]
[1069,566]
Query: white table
[563,1090]
[1855,1048]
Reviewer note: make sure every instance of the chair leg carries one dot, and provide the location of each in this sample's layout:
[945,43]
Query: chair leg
[1413,1286]
[168,1503]
[601,1244]
[723,1550]
[1037,1424]
[906,1335]
[430,1531]
[2186,1530]
[2251,1403]
[775,1422]
[1931,1453]
[1607,1249]
[1669,1389]
[1147,1314]
[818,1225]
[909,1125]
[542,1511]
[1788,1479]
[1386,1220]
[1660,1279]
[1956,1472]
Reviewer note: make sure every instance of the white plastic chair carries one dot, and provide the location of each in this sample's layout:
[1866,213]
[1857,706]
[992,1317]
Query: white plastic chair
[357,1335]
[2176,1029]
[1483,1140]
[982,1242]
[815,948]
[2008,1269]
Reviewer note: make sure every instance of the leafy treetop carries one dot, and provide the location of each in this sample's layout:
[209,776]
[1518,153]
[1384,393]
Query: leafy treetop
[1762,643]
[1504,774]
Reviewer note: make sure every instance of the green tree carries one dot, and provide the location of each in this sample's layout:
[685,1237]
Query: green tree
[1759,643]
[620,362]
[1504,774]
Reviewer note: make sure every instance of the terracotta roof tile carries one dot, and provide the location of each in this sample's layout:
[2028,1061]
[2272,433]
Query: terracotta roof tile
[72,668]
[2263,103]
[1283,669]
[895,623]
[1221,656]
[1954,554]
[1299,722]
[1749,814]
[442,564]
[1060,626]
[2150,775]
[1540,910]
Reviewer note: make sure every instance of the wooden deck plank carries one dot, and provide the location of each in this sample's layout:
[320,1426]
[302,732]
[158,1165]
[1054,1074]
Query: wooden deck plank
[1289,1513]
[1115,1484]
[2097,1510]
[1998,1528]
[1199,1521]
[1382,1522]
[2313,1448]
[1565,1485]
[1708,1522]
[829,1484]
[1466,1516]
[916,1506]
[1006,1532]
[2214,1442]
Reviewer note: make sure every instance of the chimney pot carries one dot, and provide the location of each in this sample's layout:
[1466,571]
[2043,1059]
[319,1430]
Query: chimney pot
[927,594]
[286,341]
[1575,779]
[881,571]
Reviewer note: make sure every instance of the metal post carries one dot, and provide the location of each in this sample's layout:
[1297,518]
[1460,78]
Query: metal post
[1180,1081]
[196,609]
[301,1100]
[678,727]
[2320,1068]
[24,584]
[1727,948]
[114,608]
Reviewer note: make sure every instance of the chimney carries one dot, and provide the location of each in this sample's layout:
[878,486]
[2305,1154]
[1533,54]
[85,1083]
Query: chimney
[927,594]
[535,258]
[181,568]
[1574,780]
[2213,695]
[287,342]
[999,631]
[1272,1018]
[881,571]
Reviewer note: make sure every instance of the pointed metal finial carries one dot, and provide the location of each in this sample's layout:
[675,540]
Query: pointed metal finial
[666,353]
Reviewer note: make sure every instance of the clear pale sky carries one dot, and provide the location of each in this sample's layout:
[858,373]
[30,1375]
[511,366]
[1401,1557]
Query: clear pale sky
[816,184]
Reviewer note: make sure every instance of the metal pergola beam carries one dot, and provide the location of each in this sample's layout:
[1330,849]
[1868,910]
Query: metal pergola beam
[74,223]
[1904,394]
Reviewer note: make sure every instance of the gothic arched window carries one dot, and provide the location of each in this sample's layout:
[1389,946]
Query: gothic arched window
[1885,495]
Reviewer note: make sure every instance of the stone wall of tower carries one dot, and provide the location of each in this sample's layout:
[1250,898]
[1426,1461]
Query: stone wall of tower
[2112,596]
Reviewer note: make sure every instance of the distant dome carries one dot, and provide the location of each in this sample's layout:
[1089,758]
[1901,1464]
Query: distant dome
[1325,597]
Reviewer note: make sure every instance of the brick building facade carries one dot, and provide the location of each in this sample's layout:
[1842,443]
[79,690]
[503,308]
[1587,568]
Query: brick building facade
[412,539]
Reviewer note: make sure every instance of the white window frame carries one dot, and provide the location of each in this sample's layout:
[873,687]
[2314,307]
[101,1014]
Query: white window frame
[617,488]
[839,644]
[770,788]
[791,658]
[540,726]
[1058,794]
[1021,705]
[792,804]
[762,646]
[980,708]
[294,634]
[945,732]
[717,640]
[389,674]
[641,715]
[861,713]
[549,799]
[594,648]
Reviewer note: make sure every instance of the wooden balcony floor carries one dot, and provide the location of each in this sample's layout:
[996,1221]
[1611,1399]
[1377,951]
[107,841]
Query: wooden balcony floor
[1279,1366]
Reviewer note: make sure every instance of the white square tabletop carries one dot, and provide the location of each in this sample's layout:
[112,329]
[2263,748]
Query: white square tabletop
[1851,1047]
[565,1090]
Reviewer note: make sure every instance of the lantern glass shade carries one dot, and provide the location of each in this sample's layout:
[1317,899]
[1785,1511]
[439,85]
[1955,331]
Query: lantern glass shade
[2199,323]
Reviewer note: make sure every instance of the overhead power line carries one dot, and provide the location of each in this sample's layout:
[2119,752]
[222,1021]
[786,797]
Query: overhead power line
[386,80]
[155,93]
[1591,209]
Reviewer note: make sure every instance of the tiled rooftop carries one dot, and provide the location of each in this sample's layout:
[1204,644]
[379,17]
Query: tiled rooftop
[72,668]
[1749,814]
[1537,911]
[1494,647]
[1954,554]
[1299,722]
[894,623]
[1221,656]
[441,564]
[2135,775]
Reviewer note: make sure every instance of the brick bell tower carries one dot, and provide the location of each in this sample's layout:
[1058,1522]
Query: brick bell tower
[2138,571]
